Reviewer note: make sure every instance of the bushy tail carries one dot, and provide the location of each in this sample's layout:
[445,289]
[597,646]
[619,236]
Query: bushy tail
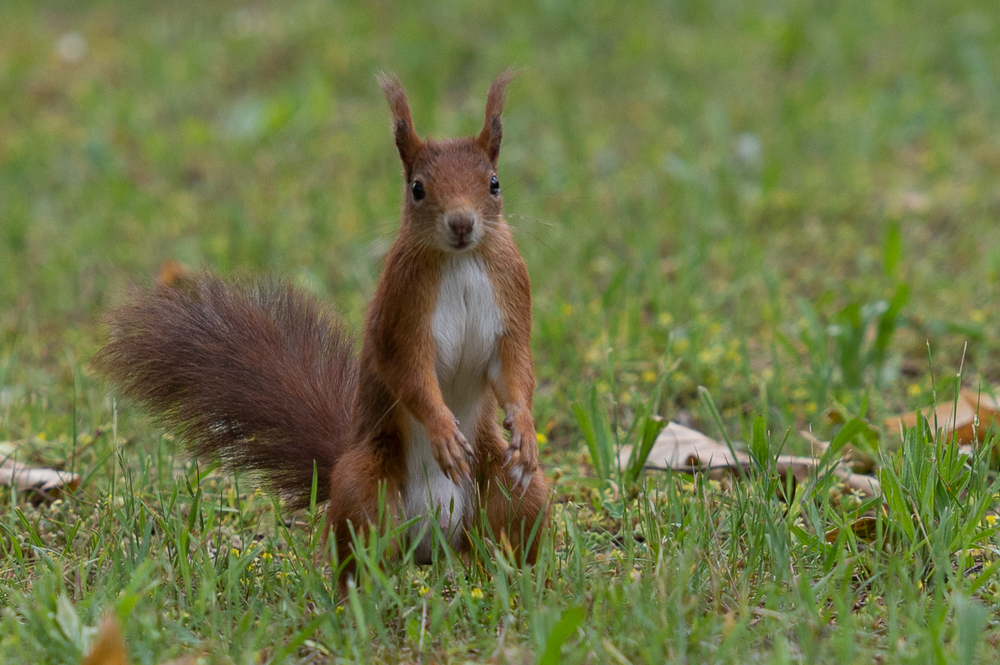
[255,374]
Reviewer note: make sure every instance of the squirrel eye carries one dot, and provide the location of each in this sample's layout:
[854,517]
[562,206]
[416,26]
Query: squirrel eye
[418,190]
[494,186]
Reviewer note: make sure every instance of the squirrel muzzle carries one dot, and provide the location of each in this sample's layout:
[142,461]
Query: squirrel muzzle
[462,229]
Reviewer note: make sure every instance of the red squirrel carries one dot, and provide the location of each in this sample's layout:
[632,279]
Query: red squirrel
[258,375]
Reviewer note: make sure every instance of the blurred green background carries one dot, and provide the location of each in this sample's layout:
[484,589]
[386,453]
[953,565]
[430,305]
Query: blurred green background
[703,188]
[793,203]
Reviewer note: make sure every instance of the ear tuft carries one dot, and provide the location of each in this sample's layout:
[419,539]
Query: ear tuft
[407,141]
[492,134]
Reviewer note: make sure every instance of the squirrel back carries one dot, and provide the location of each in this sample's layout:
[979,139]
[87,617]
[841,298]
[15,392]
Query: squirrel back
[255,374]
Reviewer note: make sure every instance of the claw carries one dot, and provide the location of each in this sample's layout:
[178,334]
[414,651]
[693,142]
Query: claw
[515,474]
[457,473]
[463,469]
[526,483]
[508,455]
[462,441]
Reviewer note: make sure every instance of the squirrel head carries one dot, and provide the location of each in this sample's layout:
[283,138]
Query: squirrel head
[452,195]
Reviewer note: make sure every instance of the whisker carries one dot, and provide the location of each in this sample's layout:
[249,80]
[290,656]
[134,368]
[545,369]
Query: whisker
[494,222]
[537,238]
[535,218]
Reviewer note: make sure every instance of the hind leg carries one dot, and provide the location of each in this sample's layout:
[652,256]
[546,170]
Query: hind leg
[518,515]
[358,481]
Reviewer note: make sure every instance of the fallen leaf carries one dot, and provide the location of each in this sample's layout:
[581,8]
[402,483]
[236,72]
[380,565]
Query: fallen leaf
[860,462]
[681,448]
[864,528]
[684,449]
[173,274]
[110,648]
[48,482]
[956,418]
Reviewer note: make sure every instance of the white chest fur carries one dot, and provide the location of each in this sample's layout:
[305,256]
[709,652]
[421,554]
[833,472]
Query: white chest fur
[466,326]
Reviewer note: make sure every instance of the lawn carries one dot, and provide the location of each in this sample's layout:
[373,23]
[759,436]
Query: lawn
[793,205]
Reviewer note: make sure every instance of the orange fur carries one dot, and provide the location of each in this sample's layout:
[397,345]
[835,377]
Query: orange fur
[205,356]
[398,354]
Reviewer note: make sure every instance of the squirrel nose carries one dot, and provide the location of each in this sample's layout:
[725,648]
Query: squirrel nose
[461,223]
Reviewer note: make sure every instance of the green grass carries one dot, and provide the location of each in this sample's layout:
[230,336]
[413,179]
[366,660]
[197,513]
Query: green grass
[793,204]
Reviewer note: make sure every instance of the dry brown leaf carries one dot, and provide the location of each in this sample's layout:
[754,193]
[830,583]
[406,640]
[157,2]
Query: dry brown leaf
[684,449]
[681,448]
[956,418]
[46,481]
[172,273]
[864,528]
[859,462]
[110,648]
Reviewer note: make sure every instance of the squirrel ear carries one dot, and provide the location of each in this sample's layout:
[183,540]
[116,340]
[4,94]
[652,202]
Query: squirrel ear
[489,139]
[407,141]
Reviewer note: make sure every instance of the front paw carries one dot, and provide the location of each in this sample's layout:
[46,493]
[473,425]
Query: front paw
[450,448]
[521,457]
